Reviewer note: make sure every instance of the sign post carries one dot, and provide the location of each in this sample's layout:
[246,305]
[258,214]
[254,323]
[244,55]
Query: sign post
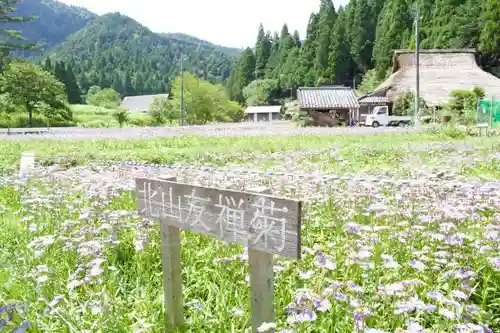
[261,272]
[267,225]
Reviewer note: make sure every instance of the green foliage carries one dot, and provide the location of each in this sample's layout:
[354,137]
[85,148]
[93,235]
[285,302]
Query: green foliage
[115,51]
[6,105]
[370,82]
[404,105]
[11,38]
[462,99]
[296,115]
[162,111]
[52,23]
[260,92]
[241,76]
[359,41]
[341,63]
[93,90]
[463,105]
[122,116]
[107,98]
[30,87]
[326,21]
[262,52]
[490,22]
[203,102]
[64,73]
[21,120]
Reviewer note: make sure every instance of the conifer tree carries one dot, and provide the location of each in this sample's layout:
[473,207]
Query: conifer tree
[490,23]
[262,52]
[72,89]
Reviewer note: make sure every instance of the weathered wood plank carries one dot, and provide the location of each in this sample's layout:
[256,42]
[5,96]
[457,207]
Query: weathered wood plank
[171,265]
[259,221]
[260,270]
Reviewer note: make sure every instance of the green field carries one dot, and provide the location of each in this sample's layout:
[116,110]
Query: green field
[83,116]
[92,116]
[408,237]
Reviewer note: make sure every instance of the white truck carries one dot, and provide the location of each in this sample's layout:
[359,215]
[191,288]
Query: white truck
[380,117]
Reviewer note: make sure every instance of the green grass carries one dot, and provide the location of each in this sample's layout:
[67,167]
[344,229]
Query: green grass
[67,229]
[93,116]
[211,150]
[83,115]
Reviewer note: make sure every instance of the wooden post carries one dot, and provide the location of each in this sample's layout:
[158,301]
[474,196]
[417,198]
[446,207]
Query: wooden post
[27,163]
[260,269]
[267,225]
[171,265]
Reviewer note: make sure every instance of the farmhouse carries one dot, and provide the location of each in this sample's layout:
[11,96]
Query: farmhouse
[263,113]
[140,103]
[441,72]
[329,105]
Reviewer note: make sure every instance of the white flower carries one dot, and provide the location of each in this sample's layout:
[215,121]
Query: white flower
[266,327]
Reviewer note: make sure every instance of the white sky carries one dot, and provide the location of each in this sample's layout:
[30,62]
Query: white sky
[226,22]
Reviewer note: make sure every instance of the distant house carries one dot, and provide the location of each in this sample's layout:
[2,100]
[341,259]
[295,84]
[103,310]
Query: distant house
[136,104]
[263,113]
[441,72]
[329,105]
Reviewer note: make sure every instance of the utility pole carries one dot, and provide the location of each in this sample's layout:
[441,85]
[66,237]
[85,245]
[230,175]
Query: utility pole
[417,65]
[257,84]
[182,89]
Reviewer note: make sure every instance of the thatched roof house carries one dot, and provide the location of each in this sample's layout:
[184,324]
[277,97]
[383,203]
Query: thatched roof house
[441,71]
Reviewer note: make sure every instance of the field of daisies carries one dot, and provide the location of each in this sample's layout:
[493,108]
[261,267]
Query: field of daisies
[401,233]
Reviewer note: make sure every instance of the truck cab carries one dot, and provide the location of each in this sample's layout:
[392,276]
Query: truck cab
[380,117]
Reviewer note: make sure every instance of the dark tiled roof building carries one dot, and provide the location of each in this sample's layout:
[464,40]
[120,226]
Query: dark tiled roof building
[327,98]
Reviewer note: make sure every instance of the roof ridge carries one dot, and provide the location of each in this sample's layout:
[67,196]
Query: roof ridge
[326,88]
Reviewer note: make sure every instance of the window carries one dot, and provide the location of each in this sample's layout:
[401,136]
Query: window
[382,112]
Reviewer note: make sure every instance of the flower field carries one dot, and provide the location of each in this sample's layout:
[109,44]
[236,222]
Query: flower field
[400,233]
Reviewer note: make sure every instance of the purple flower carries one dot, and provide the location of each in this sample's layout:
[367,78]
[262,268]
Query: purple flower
[322,305]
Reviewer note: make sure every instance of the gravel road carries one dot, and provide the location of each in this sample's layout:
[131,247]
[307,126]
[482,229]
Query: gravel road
[280,128]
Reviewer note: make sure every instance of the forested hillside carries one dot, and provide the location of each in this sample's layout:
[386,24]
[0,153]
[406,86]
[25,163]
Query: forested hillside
[115,51]
[358,41]
[54,22]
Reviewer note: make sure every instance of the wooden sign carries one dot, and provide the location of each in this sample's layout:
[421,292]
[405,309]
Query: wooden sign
[259,221]
[266,224]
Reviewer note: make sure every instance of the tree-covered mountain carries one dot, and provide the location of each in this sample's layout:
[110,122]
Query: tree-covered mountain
[180,37]
[54,21]
[344,45]
[114,50]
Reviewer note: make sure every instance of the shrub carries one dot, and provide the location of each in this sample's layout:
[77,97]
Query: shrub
[107,98]
[161,111]
[121,116]
[19,120]
[142,121]
[404,105]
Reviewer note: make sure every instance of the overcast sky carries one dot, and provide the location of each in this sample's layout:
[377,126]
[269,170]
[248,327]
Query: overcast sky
[225,22]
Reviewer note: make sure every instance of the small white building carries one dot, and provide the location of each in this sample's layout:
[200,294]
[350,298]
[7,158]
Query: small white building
[263,113]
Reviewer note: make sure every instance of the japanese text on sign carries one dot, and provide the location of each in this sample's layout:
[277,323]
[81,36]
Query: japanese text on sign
[258,221]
